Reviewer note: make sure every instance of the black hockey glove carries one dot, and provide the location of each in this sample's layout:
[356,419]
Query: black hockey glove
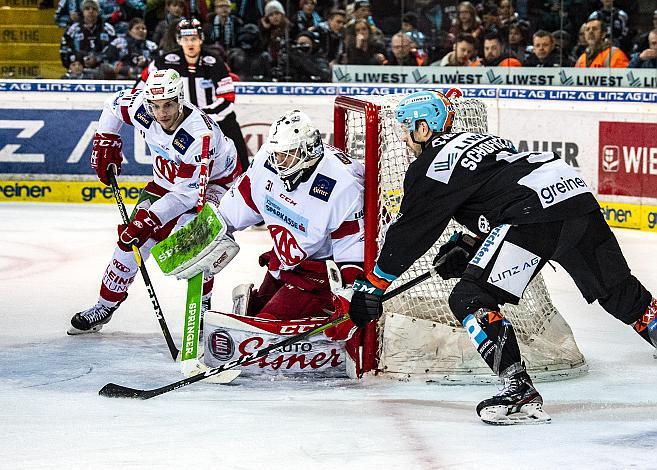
[454,255]
[366,304]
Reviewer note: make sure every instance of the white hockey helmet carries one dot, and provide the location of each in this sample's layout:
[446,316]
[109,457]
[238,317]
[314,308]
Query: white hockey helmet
[295,147]
[164,84]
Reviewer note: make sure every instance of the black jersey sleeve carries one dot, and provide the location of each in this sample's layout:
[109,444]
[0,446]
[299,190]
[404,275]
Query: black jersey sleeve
[426,209]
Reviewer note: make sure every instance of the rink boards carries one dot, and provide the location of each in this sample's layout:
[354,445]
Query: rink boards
[607,135]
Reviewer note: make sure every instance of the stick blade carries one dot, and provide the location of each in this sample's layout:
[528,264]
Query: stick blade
[119,391]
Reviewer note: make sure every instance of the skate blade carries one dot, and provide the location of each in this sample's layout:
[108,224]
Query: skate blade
[531,413]
[73,331]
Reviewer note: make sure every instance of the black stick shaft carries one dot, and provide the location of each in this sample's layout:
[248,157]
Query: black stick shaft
[144,273]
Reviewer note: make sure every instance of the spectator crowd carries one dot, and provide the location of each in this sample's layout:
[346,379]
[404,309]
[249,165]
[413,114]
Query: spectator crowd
[299,40]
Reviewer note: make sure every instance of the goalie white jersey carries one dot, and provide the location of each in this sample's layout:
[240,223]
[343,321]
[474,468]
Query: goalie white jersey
[176,154]
[322,218]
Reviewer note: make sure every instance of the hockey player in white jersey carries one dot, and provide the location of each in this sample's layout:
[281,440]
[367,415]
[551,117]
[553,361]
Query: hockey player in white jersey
[175,132]
[310,196]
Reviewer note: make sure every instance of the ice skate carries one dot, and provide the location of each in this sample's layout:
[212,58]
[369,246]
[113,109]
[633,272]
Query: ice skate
[92,319]
[518,403]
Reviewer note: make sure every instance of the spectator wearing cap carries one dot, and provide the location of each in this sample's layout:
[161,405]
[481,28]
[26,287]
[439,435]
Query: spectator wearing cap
[306,17]
[301,63]
[86,40]
[494,55]
[544,53]
[615,21]
[223,27]
[599,51]
[331,35]
[465,50]
[274,29]
[361,48]
[249,60]
[646,59]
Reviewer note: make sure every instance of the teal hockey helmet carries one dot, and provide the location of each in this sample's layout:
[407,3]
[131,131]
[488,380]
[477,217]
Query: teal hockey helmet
[427,105]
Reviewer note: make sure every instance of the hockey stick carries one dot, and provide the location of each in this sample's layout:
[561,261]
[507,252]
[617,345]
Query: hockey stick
[119,391]
[140,262]
[191,326]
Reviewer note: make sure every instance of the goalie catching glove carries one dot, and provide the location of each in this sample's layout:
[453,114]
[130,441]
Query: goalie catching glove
[454,255]
[106,152]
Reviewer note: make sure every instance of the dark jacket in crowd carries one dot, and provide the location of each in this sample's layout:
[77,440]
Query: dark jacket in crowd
[79,42]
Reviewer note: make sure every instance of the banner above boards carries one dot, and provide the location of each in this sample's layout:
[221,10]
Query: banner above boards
[528,76]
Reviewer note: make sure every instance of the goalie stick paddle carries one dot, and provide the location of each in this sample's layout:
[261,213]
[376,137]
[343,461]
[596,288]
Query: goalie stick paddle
[119,391]
[142,268]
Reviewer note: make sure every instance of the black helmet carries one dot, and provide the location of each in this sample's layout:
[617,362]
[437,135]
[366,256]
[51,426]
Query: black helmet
[189,28]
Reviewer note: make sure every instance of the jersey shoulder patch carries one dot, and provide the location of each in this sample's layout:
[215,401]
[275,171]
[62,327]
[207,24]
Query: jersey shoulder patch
[322,187]
[143,118]
[172,58]
[182,141]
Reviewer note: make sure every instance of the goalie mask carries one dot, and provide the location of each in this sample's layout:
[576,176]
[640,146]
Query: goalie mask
[429,106]
[162,85]
[295,147]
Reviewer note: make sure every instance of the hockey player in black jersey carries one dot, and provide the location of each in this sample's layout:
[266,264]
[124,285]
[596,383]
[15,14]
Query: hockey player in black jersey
[208,84]
[537,208]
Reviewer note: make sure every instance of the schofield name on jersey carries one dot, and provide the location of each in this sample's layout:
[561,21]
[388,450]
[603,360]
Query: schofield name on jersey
[468,149]
[554,182]
[290,218]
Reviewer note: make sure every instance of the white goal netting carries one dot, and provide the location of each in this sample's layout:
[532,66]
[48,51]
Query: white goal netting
[418,335]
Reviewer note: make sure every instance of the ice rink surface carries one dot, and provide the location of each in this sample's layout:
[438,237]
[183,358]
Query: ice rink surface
[51,261]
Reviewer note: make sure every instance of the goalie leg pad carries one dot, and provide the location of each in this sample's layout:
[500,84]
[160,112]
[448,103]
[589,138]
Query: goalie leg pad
[241,298]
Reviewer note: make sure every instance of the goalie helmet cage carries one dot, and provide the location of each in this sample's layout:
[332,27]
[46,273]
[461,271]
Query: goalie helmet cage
[417,336]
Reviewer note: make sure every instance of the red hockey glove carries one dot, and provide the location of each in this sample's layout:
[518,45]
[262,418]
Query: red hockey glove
[106,151]
[140,229]
[345,330]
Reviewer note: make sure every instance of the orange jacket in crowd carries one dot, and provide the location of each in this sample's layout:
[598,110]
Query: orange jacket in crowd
[506,62]
[617,60]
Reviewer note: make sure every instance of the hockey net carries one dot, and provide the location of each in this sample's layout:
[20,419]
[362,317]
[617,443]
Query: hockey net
[418,336]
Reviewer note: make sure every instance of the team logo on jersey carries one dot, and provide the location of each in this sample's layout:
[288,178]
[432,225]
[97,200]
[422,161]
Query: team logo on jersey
[209,60]
[322,187]
[172,59]
[165,169]
[221,345]
[297,222]
[143,118]
[182,141]
[287,248]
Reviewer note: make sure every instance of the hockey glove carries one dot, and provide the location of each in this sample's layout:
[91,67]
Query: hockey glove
[106,151]
[454,255]
[366,304]
[140,229]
